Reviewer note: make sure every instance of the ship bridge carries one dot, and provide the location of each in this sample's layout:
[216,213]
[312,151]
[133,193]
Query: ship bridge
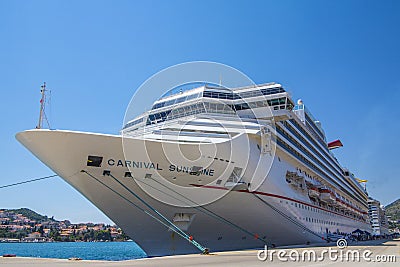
[244,102]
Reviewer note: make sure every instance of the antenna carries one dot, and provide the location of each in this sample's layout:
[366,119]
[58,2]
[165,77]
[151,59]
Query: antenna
[42,114]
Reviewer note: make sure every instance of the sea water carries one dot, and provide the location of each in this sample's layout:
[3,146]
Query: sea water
[112,251]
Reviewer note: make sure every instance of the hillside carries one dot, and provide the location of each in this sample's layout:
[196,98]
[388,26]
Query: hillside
[26,225]
[393,210]
[30,214]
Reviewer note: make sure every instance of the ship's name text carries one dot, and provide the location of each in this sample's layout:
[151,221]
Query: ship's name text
[134,164]
[156,166]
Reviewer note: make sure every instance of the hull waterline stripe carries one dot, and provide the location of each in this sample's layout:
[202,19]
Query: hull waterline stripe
[278,196]
[287,217]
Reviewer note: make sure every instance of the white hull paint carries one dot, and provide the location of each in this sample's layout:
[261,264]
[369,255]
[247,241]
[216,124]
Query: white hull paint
[289,217]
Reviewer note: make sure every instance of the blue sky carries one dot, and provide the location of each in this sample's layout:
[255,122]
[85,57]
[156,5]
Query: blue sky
[341,57]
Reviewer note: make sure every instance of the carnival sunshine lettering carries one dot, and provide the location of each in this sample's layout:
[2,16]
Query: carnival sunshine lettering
[174,168]
[134,164]
[156,166]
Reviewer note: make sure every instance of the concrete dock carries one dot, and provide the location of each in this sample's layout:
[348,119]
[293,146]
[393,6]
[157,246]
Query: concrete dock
[371,253]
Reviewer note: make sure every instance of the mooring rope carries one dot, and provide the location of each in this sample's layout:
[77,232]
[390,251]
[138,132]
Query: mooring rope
[28,181]
[208,211]
[166,222]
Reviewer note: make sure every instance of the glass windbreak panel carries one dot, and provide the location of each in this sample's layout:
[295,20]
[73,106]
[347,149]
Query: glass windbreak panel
[175,101]
[259,92]
[170,102]
[176,113]
[207,94]
[270,91]
[241,106]
[253,104]
[220,95]
[187,87]
[157,117]
[180,100]
[137,121]
[213,107]
[189,97]
[250,94]
[261,104]
[215,95]
[158,105]
[228,109]
[277,101]
[218,108]
[197,108]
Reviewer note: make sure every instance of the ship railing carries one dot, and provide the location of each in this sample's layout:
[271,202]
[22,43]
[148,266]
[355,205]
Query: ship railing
[148,129]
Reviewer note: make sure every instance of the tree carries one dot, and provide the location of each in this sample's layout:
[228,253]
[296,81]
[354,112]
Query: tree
[41,231]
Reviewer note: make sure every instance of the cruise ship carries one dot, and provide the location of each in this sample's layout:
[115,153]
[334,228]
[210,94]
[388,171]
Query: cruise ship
[212,169]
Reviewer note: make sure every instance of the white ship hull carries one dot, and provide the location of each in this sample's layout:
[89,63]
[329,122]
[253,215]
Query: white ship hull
[284,215]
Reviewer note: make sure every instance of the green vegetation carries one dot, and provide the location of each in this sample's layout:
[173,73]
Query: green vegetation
[27,225]
[5,233]
[393,210]
[30,214]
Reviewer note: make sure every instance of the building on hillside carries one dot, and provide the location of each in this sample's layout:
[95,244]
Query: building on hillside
[377,215]
[34,237]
